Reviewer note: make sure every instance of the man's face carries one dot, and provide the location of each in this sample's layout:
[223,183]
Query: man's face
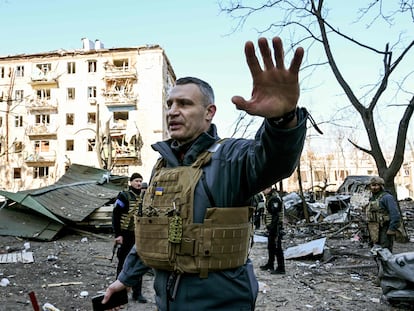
[375,188]
[136,183]
[187,117]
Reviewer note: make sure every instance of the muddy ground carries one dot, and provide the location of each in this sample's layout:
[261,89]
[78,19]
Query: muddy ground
[67,272]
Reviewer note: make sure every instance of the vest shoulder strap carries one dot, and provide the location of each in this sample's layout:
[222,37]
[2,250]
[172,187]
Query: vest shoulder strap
[205,156]
[202,159]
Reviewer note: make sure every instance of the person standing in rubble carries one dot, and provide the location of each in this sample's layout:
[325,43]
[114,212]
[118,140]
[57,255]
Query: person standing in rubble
[383,215]
[196,228]
[274,226]
[258,205]
[127,205]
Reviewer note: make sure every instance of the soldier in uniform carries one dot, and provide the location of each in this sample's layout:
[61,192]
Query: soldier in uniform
[274,225]
[126,206]
[383,215]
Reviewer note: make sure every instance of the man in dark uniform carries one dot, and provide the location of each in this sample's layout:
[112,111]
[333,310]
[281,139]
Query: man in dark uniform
[382,214]
[126,206]
[274,225]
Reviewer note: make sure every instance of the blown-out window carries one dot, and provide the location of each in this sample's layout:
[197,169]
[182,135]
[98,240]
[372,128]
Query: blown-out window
[41,146]
[41,172]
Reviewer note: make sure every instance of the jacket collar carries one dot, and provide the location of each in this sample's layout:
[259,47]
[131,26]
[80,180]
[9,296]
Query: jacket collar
[171,151]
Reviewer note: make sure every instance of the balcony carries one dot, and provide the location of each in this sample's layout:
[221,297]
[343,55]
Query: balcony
[41,131]
[40,80]
[122,155]
[36,105]
[113,73]
[123,150]
[37,159]
[118,127]
[120,99]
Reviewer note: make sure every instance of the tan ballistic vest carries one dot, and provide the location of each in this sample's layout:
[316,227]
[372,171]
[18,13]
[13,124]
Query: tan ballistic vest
[127,219]
[375,213]
[166,237]
[269,216]
[376,216]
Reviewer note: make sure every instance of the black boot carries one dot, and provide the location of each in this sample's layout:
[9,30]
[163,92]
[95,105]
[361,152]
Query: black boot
[138,297]
[137,292]
[279,270]
[267,266]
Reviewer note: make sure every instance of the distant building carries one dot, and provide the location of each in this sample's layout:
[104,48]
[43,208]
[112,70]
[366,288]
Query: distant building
[95,106]
[324,173]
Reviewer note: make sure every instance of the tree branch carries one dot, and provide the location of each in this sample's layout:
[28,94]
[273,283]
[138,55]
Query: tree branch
[360,148]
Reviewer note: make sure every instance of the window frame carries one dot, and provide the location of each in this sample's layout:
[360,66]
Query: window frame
[92,92]
[41,146]
[70,143]
[71,68]
[40,172]
[71,93]
[70,116]
[18,121]
[42,119]
[19,71]
[92,66]
[91,144]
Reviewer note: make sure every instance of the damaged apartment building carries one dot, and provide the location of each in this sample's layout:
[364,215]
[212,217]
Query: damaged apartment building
[95,106]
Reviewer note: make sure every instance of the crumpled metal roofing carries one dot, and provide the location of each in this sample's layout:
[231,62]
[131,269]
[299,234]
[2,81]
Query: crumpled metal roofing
[71,199]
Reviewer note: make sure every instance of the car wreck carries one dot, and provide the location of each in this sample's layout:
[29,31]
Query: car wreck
[396,276]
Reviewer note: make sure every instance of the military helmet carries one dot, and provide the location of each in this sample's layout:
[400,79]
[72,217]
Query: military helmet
[376,180]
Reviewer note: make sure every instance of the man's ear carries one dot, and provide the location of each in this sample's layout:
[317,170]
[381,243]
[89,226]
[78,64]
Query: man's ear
[210,112]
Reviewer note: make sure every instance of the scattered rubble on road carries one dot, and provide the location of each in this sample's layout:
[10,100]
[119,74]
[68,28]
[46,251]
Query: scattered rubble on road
[329,264]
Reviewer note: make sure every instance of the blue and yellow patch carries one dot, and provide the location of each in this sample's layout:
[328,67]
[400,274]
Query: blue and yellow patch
[159,190]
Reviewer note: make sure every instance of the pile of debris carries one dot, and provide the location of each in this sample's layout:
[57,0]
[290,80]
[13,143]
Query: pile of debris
[343,216]
[82,198]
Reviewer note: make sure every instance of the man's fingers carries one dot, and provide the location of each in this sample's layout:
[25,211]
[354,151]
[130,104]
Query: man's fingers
[106,297]
[251,59]
[266,54]
[279,53]
[297,60]
[239,101]
[242,104]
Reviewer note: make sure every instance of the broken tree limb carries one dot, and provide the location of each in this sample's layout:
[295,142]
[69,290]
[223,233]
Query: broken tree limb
[62,284]
[369,266]
[338,231]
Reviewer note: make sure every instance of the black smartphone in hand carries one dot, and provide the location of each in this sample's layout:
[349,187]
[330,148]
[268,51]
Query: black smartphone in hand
[117,299]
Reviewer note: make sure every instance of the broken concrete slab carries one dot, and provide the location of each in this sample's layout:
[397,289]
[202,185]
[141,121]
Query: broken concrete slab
[23,257]
[311,248]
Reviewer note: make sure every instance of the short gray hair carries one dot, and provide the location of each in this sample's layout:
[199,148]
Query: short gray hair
[204,87]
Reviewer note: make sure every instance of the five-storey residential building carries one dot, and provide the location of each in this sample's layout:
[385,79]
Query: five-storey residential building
[95,106]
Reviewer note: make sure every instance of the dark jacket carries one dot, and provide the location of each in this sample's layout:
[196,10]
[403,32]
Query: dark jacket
[274,205]
[239,169]
[121,207]
[389,205]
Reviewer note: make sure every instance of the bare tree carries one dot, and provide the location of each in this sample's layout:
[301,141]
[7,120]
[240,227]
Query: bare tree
[307,23]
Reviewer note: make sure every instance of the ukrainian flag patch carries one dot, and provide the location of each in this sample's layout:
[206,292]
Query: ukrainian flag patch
[159,190]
